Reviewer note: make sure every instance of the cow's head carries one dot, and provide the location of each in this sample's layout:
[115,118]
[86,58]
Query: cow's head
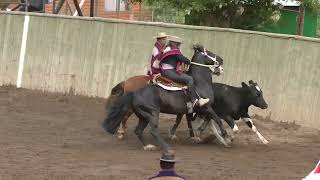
[255,95]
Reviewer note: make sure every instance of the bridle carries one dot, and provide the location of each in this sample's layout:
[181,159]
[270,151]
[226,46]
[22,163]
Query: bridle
[214,59]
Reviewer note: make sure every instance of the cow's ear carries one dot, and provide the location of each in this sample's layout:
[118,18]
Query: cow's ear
[244,85]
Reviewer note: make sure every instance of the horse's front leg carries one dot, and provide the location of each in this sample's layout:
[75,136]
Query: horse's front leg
[212,115]
[191,118]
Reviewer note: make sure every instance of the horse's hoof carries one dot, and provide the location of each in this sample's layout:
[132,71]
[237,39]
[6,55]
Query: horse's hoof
[235,129]
[174,138]
[196,140]
[227,145]
[149,147]
[232,138]
[120,136]
[228,140]
[170,151]
[265,142]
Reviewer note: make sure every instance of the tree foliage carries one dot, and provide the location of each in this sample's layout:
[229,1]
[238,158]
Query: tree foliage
[242,14]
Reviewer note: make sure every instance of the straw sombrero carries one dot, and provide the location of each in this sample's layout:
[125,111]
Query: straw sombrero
[160,35]
[175,39]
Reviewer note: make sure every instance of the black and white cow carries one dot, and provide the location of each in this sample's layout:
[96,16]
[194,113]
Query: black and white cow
[232,103]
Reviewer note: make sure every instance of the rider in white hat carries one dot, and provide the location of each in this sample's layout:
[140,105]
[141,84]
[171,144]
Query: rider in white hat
[157,52]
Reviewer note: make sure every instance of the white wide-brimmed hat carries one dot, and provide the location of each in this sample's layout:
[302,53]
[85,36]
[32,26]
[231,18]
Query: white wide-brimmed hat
[175,39]
[160,35]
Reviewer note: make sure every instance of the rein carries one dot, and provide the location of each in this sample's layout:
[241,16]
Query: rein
[211,67]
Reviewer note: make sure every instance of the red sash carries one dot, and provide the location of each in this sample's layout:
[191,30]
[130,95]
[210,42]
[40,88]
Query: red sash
[160,49]
[173,51]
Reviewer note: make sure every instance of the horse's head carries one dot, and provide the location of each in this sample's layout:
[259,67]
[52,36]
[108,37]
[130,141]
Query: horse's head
[255,95]
[208,58]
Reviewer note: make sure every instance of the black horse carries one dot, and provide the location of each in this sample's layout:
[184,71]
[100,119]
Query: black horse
[148,102]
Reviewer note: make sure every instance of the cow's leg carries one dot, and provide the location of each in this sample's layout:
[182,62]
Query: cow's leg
[254,129]
[231,122]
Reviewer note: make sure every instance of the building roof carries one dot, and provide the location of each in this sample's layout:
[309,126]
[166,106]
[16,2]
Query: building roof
[287,2]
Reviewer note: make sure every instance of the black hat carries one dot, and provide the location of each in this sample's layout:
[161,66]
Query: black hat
[168,157]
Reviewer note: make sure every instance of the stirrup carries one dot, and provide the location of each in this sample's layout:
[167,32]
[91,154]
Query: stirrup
[203,101]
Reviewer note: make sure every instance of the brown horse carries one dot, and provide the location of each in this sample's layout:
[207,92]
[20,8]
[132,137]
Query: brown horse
[130,85]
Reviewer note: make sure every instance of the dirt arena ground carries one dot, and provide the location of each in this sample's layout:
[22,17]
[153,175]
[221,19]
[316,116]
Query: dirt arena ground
[53,136]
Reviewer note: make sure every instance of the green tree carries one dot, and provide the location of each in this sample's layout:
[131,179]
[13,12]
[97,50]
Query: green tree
[242,14]
[164,11]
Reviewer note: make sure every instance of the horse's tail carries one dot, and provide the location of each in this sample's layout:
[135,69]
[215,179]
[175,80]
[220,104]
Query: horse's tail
[116,91]
[117,112]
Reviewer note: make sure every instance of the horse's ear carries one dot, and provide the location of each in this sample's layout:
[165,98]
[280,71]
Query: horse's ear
[251,83]
[219,59]
[244,85]
[194,48]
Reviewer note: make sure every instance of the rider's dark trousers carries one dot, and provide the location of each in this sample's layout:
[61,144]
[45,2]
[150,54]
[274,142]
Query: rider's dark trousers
[182,78]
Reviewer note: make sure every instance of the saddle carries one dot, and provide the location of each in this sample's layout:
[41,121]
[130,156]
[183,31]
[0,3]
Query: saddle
[168,84]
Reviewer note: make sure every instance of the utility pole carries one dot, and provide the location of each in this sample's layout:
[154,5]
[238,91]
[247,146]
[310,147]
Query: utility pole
[300,19]
[26,5]
[91,8]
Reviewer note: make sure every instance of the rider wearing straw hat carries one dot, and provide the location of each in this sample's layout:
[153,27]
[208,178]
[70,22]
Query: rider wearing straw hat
[157,52]
[170,63]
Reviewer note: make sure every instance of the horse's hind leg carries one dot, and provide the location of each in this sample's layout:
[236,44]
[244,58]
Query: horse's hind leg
[154,123]
[143,122]
[172,132]
[190,118]
[139,130]
[123,126]
[150,116]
